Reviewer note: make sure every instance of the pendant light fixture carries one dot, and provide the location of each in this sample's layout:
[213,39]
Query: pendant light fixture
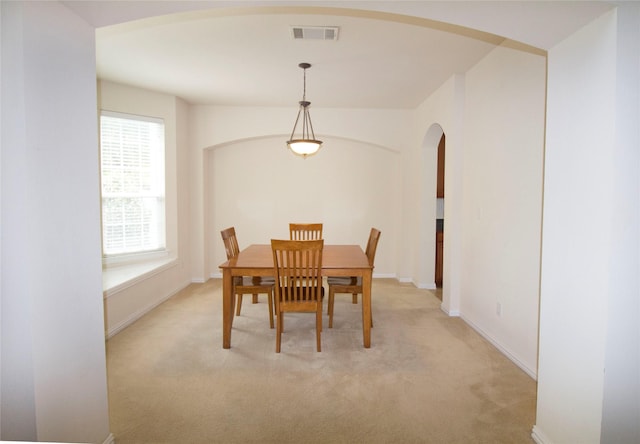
[304,144]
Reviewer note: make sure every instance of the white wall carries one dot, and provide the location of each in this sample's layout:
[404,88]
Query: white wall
[53,355]
[621,403]
[589,361]
[502,200]
[258,186]
[577,249]
[126,303]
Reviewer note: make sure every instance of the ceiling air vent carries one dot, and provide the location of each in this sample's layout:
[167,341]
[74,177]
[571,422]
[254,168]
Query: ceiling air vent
[314,32]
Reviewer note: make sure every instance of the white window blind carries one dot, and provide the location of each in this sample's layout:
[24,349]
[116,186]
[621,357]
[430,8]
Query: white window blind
[133,188]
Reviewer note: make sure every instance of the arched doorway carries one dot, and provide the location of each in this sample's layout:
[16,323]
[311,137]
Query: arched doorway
[440,216]
[432,210]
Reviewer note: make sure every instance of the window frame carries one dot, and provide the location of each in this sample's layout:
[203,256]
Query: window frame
[132,257]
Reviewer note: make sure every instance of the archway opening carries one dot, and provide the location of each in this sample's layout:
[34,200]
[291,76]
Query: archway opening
[439,268]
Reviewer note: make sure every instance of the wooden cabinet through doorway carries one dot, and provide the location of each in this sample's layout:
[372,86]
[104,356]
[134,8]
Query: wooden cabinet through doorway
[439,253]
[440,183]
[440,222]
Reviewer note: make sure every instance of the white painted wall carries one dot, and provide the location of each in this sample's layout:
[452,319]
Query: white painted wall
[502,200]
[127,303]
[53,356]
[258,186]
[419,181]
[621,398]
[577,248]
[589,360]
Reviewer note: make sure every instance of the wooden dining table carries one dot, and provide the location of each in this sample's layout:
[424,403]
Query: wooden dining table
[257,260]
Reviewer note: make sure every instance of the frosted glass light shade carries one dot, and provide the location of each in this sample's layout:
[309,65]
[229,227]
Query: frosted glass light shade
[304,147]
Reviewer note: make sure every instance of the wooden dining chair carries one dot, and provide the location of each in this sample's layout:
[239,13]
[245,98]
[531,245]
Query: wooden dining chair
[297,266]
[305,231]
[253,285]
[352,285]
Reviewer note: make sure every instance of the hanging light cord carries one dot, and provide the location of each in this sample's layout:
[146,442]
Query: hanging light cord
[307,126]
[304,84]
[307,144]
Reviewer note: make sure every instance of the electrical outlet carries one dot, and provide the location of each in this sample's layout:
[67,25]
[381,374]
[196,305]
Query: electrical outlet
[499,309]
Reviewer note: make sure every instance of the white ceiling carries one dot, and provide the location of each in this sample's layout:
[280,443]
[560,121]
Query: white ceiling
[247,56]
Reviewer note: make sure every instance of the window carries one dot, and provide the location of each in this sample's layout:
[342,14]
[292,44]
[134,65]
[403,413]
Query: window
[133,189]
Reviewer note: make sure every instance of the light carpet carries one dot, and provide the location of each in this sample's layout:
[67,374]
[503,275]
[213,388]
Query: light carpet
[427,378]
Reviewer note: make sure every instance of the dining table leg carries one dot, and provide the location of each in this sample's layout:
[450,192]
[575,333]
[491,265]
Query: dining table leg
[227,307]
[366,308]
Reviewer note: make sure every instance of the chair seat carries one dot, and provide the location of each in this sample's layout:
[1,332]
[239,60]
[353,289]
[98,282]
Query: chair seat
[249,281]
[344,281]
[253,285]
[252,281]
[297,290]
[299,307]
[353,285]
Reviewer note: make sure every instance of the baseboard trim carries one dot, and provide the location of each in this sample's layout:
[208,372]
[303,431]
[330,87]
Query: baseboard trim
[532,373]
[452,313]
[539,437]
[110,439]
[431,286]
[384,276]
[406,280]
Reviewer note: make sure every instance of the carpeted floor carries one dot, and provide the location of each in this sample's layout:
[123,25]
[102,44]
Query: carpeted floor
[427,378]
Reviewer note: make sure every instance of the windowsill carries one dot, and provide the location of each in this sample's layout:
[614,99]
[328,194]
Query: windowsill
[117,278]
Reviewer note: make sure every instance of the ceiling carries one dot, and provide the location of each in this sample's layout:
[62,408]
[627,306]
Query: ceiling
[248,56]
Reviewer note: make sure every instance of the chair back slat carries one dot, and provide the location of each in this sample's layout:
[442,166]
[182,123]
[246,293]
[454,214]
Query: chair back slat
[298,267]
[305,231]
[372,245]
[230,242]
